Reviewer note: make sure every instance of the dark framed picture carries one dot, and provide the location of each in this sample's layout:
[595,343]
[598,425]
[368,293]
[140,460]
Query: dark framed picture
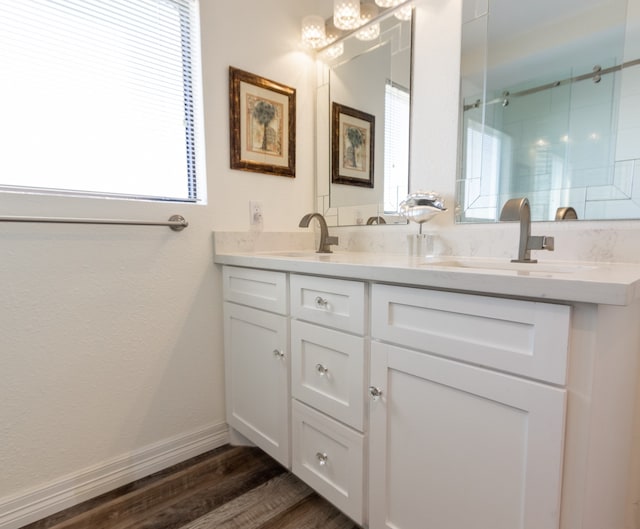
[262,124]
[352,146]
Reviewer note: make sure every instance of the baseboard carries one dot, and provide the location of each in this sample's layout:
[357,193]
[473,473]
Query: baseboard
[32,505]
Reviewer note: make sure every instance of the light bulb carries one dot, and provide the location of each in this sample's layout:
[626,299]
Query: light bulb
[389,3]
[334,51]
[331,31]
[404,13]
[346,14]
[367,13]
[313,31]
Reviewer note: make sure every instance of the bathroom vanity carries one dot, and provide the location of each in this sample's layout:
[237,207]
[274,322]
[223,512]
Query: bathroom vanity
[440,393]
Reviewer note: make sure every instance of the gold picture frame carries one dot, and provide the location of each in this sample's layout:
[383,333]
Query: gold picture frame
[262,124]
[352,146]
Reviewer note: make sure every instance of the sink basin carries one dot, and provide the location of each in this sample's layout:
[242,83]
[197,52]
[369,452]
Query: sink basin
[507,266]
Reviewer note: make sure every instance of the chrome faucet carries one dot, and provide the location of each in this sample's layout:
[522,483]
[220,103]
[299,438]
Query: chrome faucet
[518,209]
[326,240]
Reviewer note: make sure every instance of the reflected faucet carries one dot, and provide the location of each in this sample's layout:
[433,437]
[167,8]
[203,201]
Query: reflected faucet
[518,209]
[566,213]
[325,239]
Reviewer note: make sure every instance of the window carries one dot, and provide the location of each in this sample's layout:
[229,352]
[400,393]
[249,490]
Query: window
[101,97]
[396,145]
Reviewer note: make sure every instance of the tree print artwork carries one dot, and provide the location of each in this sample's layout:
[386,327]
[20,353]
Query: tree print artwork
[265,130]
[352,146]
[353,149]
[262,124]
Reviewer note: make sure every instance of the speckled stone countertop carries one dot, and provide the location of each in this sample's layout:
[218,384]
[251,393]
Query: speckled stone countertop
[602,283]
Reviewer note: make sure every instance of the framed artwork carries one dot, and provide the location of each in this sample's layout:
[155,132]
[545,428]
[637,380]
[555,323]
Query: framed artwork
[352,146]
[262,124]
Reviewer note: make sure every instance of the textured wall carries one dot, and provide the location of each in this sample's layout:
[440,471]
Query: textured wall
[111,337]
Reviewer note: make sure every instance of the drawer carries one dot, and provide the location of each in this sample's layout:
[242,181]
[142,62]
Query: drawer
[522,337]
[336,303]
[261,289]
[329,457]
[327,371]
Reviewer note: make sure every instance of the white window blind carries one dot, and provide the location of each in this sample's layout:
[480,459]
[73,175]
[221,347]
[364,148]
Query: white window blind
[396,145]
[101,96]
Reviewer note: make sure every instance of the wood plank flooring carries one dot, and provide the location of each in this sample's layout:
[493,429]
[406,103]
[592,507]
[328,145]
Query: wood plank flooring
[227,488]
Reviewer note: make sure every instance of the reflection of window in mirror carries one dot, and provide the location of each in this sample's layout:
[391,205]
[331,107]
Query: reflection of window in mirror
[397,104]
[484,147]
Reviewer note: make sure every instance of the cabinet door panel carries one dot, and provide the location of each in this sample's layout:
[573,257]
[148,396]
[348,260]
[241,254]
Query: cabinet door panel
[257,378]
[453,445]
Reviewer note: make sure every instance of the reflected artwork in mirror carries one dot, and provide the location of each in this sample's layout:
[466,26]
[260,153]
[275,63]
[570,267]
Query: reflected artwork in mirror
[374,77]
[550,108]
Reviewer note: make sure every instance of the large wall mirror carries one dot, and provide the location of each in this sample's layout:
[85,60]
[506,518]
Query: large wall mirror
[550,108]
[363,114]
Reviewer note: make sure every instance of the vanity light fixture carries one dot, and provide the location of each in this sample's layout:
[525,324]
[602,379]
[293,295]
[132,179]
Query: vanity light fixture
[313,31]
[346,14]
[368,12]
[350,17]
[331,31]
[334,51]
[405,12]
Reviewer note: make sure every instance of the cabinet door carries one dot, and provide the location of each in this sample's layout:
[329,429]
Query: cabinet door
[257,378]
[455,446]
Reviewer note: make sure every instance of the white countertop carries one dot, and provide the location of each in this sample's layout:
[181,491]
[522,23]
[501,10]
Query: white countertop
[603,283]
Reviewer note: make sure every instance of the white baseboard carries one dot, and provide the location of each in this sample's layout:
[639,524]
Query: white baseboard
[32,505]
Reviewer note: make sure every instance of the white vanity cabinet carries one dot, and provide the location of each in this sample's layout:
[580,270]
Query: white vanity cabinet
[256,345]
[453,444]
[410,404]
[328,368]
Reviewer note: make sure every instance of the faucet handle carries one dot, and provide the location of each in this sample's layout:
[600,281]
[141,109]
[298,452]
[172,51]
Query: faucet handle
[332,239]
[548,243]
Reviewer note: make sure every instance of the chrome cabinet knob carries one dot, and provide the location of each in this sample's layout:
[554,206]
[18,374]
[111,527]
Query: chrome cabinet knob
[321,303]
[278,353]
[322,458]
[321,370]
[375,392]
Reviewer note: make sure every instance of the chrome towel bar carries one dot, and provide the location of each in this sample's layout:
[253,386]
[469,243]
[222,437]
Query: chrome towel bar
[175,222]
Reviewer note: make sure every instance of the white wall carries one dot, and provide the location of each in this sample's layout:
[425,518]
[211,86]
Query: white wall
[111,337]
[262,38]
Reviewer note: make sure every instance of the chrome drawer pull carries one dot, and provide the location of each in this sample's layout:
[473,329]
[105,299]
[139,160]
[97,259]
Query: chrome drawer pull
[322,458]
[278,353]
[322,370]
[322,303]
[375,392]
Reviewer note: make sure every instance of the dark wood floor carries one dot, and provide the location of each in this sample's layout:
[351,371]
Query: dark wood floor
[227,488]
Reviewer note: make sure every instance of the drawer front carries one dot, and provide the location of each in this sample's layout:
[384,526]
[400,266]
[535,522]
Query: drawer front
[327,371]
[261,289]
[335,303]
[329,457]
[522,337]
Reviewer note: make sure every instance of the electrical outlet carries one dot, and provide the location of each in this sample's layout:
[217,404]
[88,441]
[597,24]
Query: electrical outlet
[255,213]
